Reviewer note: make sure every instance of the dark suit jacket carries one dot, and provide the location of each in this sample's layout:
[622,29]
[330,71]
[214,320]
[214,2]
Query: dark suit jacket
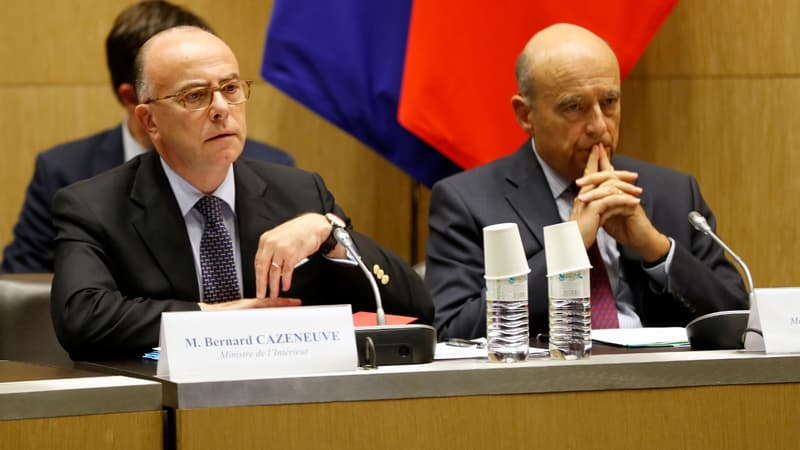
[31,251]
[123,255]
[514,189]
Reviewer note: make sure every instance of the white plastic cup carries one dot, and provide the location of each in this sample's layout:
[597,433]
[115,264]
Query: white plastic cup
[564,250]
[504,256]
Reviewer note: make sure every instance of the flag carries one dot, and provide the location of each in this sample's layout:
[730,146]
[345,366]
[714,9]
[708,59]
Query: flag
[343,59]
[429,86]
[459,70]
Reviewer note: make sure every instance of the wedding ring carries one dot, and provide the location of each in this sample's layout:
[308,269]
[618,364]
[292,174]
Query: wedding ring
[276,265]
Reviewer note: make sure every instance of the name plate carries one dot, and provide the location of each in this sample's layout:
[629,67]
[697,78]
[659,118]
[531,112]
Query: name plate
[256,343]
[776,313]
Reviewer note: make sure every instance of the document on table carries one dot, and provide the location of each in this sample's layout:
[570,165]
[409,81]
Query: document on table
[642,337]
[476,348]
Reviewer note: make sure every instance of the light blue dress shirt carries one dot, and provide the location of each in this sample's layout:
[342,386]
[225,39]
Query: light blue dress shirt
[130,147]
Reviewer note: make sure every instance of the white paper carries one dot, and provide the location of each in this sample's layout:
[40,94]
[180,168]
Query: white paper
[449,351]
[642,337]
[776,313]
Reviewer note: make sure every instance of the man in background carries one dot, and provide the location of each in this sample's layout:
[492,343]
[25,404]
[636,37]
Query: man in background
[192,226]
[31,250]
[632,215]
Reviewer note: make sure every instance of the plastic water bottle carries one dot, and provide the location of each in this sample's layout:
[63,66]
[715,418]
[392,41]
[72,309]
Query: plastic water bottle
[570,314]
[507,319]
[506,293]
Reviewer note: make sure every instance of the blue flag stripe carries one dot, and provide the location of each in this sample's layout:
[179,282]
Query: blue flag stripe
[344,60]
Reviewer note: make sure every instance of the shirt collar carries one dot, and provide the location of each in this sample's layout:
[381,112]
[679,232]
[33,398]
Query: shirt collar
[556,183]
[187,195]
[130,147]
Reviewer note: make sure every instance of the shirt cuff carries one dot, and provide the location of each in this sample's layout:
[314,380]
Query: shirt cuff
[341,261]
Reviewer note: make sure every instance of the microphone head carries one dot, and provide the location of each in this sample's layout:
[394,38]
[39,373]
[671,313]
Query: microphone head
[699,222]
[343,237]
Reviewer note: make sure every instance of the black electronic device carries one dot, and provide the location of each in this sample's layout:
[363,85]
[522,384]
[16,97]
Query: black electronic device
[718,330]
[395,344]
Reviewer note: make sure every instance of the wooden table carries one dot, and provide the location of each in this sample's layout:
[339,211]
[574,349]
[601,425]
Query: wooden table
[45,407]
[671,400]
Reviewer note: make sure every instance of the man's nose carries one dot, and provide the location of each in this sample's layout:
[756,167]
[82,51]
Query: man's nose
[596,124]
[219,108]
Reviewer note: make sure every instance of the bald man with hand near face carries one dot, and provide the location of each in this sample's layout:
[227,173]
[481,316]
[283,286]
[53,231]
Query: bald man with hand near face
[661,271]
[192,226]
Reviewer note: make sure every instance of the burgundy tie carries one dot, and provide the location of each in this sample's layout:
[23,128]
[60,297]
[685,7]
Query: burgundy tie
[604,308]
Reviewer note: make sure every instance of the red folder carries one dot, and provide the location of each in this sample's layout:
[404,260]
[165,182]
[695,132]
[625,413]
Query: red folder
[369,319]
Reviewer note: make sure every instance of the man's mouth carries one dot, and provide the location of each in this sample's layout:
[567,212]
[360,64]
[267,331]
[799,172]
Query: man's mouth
[220,136]
[602,145]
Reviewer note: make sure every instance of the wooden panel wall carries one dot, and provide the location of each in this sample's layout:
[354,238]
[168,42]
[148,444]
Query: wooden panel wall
[710,417]
[142,430]
[713,96]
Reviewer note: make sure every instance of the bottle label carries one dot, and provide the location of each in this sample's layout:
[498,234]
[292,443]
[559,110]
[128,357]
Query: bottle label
[570,285]
[507,289]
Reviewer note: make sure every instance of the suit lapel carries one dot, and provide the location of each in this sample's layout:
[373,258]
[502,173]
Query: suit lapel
[256,214]
[161,227]
[529,194]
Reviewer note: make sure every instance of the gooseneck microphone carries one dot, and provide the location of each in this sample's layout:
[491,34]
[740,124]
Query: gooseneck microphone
[721,329]
[700,224]
[387,344]
[343,237]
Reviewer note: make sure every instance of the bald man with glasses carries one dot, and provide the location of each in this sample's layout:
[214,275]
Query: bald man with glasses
[32,249]
[192,226]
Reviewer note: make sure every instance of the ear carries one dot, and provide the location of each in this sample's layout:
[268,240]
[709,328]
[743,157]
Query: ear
[127,95]
[522,111]
[146,120]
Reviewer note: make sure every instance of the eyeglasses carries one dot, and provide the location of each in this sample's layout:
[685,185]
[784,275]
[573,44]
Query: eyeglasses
[198,98]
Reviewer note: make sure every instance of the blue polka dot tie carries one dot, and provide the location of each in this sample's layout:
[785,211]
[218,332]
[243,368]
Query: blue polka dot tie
[604,307]
[220,282]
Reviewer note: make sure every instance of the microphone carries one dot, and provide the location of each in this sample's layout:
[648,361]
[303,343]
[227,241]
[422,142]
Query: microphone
[700,224]
[721,329]
[343,237]
[387,344]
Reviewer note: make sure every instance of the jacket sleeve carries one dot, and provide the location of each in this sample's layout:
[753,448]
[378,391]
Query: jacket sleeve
[454,266]
[92,318]
[700,276]
[700,279]
[31,250]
